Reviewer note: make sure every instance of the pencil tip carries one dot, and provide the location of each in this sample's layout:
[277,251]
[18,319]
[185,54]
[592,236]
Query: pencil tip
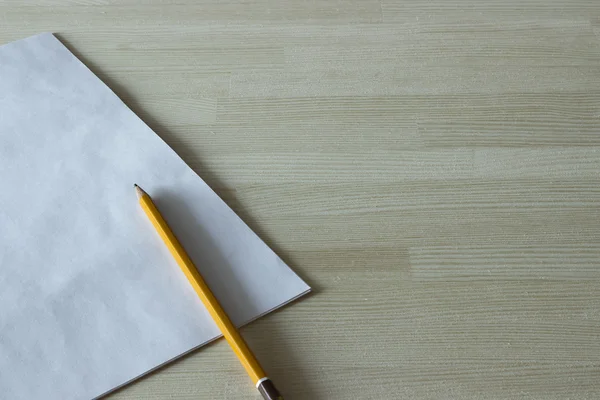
[139,191]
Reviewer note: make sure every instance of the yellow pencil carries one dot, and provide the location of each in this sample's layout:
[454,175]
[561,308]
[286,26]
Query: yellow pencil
[231,334]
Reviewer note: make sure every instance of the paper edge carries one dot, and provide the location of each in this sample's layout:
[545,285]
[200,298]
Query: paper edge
[239,218]
[185,353]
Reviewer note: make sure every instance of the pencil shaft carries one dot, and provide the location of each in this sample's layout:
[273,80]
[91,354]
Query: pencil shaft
[231,334]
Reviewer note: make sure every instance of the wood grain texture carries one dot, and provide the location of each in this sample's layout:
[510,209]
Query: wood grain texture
[432,168]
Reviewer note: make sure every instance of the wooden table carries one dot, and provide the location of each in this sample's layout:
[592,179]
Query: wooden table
[431,168]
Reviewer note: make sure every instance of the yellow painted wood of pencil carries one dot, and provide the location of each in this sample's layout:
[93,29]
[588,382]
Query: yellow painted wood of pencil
[231,334]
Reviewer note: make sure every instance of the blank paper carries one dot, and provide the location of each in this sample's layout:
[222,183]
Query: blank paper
[90,298]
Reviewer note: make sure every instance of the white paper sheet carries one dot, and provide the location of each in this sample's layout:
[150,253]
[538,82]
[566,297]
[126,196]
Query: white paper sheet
[89,296]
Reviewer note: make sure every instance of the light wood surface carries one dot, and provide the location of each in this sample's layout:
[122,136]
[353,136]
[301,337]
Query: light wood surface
[432,168]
